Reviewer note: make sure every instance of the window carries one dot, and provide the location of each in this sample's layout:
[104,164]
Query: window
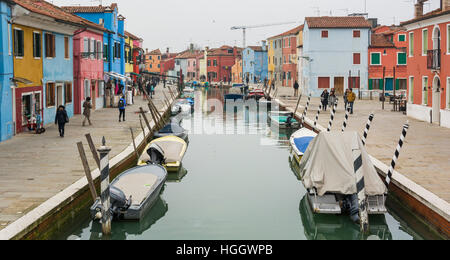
[375,58]
[324,34]
[401,84]
[402,38]
[215,63]
[99,50]
[376,84]
[324,82]
[356,58]
[356,34]
[159,57]
[87,89]
[50,94]
[425,91]
[411,89]
[151,66]
[101,88]
[424,42]
[448,38]
[159,66]
[50,45]
[401,58]
[37,45]
[411,44]
[93,49]
[66,47]
[68,92]
[105,52]
[85,45]
[209,63]
[353,82]
[18,43]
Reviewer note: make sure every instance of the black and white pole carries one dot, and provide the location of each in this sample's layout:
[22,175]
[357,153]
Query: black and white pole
[104,187]
[344,125]
[317,116]
[366,130]
[333,112]
[397,153]
[306,110]
[361,191]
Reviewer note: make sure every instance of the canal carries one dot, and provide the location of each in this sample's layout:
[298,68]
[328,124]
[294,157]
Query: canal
[238,184]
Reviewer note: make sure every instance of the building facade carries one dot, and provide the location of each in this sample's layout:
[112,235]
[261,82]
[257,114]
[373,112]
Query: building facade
[219,63]
[275,60]
[237,71]
[428,57]
[153,61]
[254,63]
[336,51]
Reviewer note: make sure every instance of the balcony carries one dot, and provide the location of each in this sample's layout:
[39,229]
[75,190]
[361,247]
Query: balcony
[434,59]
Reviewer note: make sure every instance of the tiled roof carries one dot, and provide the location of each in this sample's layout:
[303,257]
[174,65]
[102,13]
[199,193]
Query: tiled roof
[44,8]
[189,55]
[294,31]
[337,22]
[155,52]
[432,14]
[380,41]
[89,9]
[132,36]
[255,48]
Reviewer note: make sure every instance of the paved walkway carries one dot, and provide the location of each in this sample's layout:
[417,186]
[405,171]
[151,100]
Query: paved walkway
[36,167]
[426,153]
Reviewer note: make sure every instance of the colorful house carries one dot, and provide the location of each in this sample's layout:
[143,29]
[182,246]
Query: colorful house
[387,59]
[336,53]
[6,73]
[275,59]
[300,60]
[202,67]
[428,57]
[134,56]
[236,71]
[88,66]
[289,52]
[113,41]
[43,41]
[153,61]
[254,63]
[219,63]
[193,65]
[128,54]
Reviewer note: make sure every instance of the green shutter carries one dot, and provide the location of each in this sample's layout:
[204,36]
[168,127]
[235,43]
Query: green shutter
[402,38]
[370,84]
[397,84]
[401,58]
[375,59]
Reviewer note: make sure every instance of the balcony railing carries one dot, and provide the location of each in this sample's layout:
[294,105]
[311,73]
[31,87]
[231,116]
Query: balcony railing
[434,59]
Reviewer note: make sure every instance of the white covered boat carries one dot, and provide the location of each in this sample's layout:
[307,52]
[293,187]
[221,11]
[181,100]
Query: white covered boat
[300,141]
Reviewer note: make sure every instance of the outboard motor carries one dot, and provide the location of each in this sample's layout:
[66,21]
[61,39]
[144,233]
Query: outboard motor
[351,204]
[119,203]
[156,154]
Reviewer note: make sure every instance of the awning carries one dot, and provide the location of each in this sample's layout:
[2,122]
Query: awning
[21,80]
[117,76]
[135,74]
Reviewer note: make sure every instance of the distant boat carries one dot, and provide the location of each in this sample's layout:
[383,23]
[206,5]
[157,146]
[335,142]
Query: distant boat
[171,148]
[300,141]
[234,93]
[134,192]
[281,118]
[182,106]
[172,129]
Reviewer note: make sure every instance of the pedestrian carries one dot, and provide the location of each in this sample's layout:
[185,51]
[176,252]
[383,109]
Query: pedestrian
[345,99]
[332,99]
[296,86]
[61,119]
[273,84]
[247,80]
[122,105]
[87,106]
[351,97]
[324,99]
[164,82]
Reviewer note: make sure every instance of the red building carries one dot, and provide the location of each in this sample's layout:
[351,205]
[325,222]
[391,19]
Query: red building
[167,62]
[429,65]
[219,63]
[387,58]
[289,59]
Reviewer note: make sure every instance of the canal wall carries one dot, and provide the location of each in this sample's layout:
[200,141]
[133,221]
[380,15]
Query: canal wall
[423,204]
[67,207]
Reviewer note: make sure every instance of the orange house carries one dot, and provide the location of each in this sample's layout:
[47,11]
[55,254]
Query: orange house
[236,71]
[153,61]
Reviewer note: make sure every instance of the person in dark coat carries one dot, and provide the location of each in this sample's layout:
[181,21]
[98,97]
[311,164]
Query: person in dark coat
[61,119]
[296,86]
[324,99]
[87,111]
[122,104]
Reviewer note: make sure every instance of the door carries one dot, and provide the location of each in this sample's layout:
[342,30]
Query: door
[93,94]
[339,85]
[26,108]
[59,95]
[436,100]
[389,84]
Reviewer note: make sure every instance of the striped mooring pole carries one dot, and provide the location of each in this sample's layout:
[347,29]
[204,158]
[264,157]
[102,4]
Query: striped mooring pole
[344,125]
[306,110]
[333,112]
[397,153]
[104,187]
[361,191]
[366,130]
[317,116]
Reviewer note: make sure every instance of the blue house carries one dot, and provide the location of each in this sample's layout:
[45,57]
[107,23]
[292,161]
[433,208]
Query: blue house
[255,63]
[113,40]
[6,73]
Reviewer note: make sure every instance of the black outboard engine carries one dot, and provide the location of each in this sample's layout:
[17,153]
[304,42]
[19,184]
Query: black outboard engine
[351,205]
[119,203]
[156,155]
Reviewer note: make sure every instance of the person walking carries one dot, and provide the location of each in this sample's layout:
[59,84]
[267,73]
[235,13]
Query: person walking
[87,106]
[345,99]
[296,86]
[324,99]
[351,97]
[332,98]
[61,119]
[122,105]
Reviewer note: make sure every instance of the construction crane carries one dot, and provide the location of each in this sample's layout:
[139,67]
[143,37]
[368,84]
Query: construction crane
[244,28]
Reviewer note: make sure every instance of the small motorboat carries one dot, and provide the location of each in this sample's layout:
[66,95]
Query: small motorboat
[133,193]
[182,106]
[327,172]
[188,89]
[283,119]
[172,129]
[300,141]
[171,148]
[234,93]
[256,94]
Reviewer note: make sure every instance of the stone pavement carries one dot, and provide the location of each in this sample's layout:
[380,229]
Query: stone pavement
[36,167]
[425,157]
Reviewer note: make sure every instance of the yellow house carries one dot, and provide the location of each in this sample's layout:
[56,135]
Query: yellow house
[128,54]
[270,57]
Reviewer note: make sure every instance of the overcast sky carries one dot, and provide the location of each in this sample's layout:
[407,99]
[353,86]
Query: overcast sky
[176,23]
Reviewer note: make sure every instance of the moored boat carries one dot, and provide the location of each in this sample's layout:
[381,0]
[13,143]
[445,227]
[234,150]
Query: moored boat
[172,149]
[172,129]
[283,119]
[300,141]
[234,93]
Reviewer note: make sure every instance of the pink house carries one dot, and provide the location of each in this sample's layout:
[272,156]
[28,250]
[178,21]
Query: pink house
[193,65]
[88,67]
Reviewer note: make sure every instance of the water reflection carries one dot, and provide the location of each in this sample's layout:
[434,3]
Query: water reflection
[177,176]
[334,227]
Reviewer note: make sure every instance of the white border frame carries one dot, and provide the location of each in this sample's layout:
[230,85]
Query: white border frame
[424,91]
[428,47]
[40,36]
[411,50]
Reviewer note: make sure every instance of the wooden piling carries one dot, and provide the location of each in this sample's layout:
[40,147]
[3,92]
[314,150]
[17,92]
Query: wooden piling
[93,150]
[87,170]
[134,144]
[142,127]
[145,119]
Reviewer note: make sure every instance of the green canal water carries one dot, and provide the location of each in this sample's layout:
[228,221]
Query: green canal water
[241,186]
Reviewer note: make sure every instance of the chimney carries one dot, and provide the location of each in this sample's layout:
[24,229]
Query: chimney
[419,8]
[191,47]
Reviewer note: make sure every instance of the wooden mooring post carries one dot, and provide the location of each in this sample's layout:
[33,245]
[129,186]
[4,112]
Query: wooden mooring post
[104,188]
[134,144]
[93,150]
[145,118]
[142,127]
[87,170]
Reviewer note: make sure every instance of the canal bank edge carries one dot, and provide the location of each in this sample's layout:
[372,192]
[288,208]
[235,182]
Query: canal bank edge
[426,206]
[61,210]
